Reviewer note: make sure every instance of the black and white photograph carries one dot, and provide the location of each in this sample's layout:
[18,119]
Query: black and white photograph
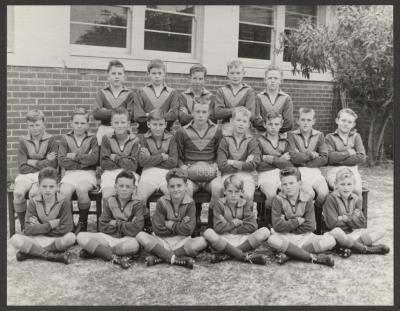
[200,155]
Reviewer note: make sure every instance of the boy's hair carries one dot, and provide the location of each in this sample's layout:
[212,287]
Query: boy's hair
[80,111]
[273,115]
[34,115]
[234,180]
[273,68]
[115,63]
[241,110]
[343,174]
[307,110]
[119,111]
[156,114]
[156,63]
[234,64]
[48,172]
[176,173]
[126,174]
[348,111]
[290,171]
[197,68]
[204,100]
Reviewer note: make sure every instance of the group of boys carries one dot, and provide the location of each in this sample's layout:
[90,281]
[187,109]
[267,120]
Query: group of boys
[236,161]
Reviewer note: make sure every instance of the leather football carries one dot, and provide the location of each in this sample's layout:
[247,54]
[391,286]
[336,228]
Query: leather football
[202,172]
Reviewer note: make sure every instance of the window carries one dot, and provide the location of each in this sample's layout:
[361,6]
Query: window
[255,31]
[169,28]
[10,28]
[99,25]
[294,14]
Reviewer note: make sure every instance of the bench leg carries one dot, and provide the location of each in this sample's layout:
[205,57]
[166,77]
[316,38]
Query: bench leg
[318,219]
[365,203]
[11,213]
[98,211]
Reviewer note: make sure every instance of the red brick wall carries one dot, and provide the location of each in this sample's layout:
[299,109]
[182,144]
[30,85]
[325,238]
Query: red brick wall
[58,91]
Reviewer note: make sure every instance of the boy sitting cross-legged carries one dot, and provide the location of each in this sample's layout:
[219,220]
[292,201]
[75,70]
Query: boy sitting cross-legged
[78,154]
[235,228]
[48,223]
[119,223]
[35,151]
[293,222]
[118,152]
[173,223]
[343,214]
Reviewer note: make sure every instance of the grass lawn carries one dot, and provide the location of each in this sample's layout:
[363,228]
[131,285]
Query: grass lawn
[358,280]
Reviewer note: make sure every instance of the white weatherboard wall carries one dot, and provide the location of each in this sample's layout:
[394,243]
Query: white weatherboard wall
[41,38]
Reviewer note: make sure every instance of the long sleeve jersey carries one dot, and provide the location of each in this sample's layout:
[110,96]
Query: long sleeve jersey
[274,152]
[230,149]
[193,148]
[154,159]
[186,100]
[60,210]
[224,214]
[28,150]
[126,154]
[165,211]
[87,154]
[300,149]
[106,102]
[338,149]
[129,217]
[226,101]
[336,206]
[282,104]
[284,215]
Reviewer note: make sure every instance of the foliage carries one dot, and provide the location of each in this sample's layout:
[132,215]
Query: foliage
[357,49]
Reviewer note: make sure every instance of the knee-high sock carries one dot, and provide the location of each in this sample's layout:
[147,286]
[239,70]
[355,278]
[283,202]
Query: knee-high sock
[297,252]
[162,252]
[21,218]
[234,252]
[103,252]
[36,250]
[245,246]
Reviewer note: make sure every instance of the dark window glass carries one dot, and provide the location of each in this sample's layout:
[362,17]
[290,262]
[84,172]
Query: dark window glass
[254,50]
[168,22]
[293,20]
[188,9]
[98,35]
[167,42]
[302,9]
[99,14]
[254,33]
[257,14]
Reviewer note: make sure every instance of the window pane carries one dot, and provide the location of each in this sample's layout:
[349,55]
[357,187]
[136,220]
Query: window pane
[254,33]
[293,20]
[257,14]
[286,55]
[168,22]
[99,14]
[303,9]
[167,42]
[188,9]
[98,35]
[254,50]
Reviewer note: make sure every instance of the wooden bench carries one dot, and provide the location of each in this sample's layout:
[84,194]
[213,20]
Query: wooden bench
[264,216]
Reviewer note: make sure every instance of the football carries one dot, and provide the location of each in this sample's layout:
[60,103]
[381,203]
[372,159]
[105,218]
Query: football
[202,172]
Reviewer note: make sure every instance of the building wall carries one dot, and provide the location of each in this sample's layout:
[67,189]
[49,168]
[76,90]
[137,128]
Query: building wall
[58,91]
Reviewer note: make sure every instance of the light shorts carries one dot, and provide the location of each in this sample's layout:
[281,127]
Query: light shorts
[173,242]
[331,175]
[32,178]
[271,176]
[154,176]
[235,239]
[112,241]
[103,130]
[356,233]
[108,178]
[297,239]
[73,177]
[43,241]
[311,175]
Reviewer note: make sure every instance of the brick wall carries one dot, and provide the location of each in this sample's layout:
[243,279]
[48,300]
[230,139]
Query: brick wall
[58,91]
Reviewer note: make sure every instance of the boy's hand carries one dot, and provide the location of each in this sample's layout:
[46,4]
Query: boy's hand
[237,222]
[314,154]
[250,158]
[113,156]
[285,156]
[184,167]
[183,110]
[186,219]
[144,152]
[164,156]
[283,217]
[54,223]
[33,220]
[237,164]
[345,218]
[267,158]
[300,220]
[71,155]
[32,162]
[169,224]
[51,156]
[351,151]
[113,223]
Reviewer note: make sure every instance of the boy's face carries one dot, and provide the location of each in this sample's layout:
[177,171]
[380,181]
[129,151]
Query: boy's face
[48,188]
[157,76]
[200,113]
[273,80]
[235,75]
[120,123]
[345,186]
[116,76]
[124,187]
[197,80]
[306,122]
[157,127]
[273,126]
[345,122]
[177,188]
[79,124]
[232,194]
[36,128]
[290,185]
[240,123]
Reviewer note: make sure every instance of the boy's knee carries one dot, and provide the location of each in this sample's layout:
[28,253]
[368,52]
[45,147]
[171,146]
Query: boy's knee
[17,241]
[337,233]
[278,243]
[262,234]
[83,238]
[146,240]
[19,196]
[69,239]
[210,235]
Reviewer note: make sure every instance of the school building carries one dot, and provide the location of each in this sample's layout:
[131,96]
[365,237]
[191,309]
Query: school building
[57,55]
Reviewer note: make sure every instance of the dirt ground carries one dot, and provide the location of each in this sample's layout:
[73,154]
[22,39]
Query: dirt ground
[358,280]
